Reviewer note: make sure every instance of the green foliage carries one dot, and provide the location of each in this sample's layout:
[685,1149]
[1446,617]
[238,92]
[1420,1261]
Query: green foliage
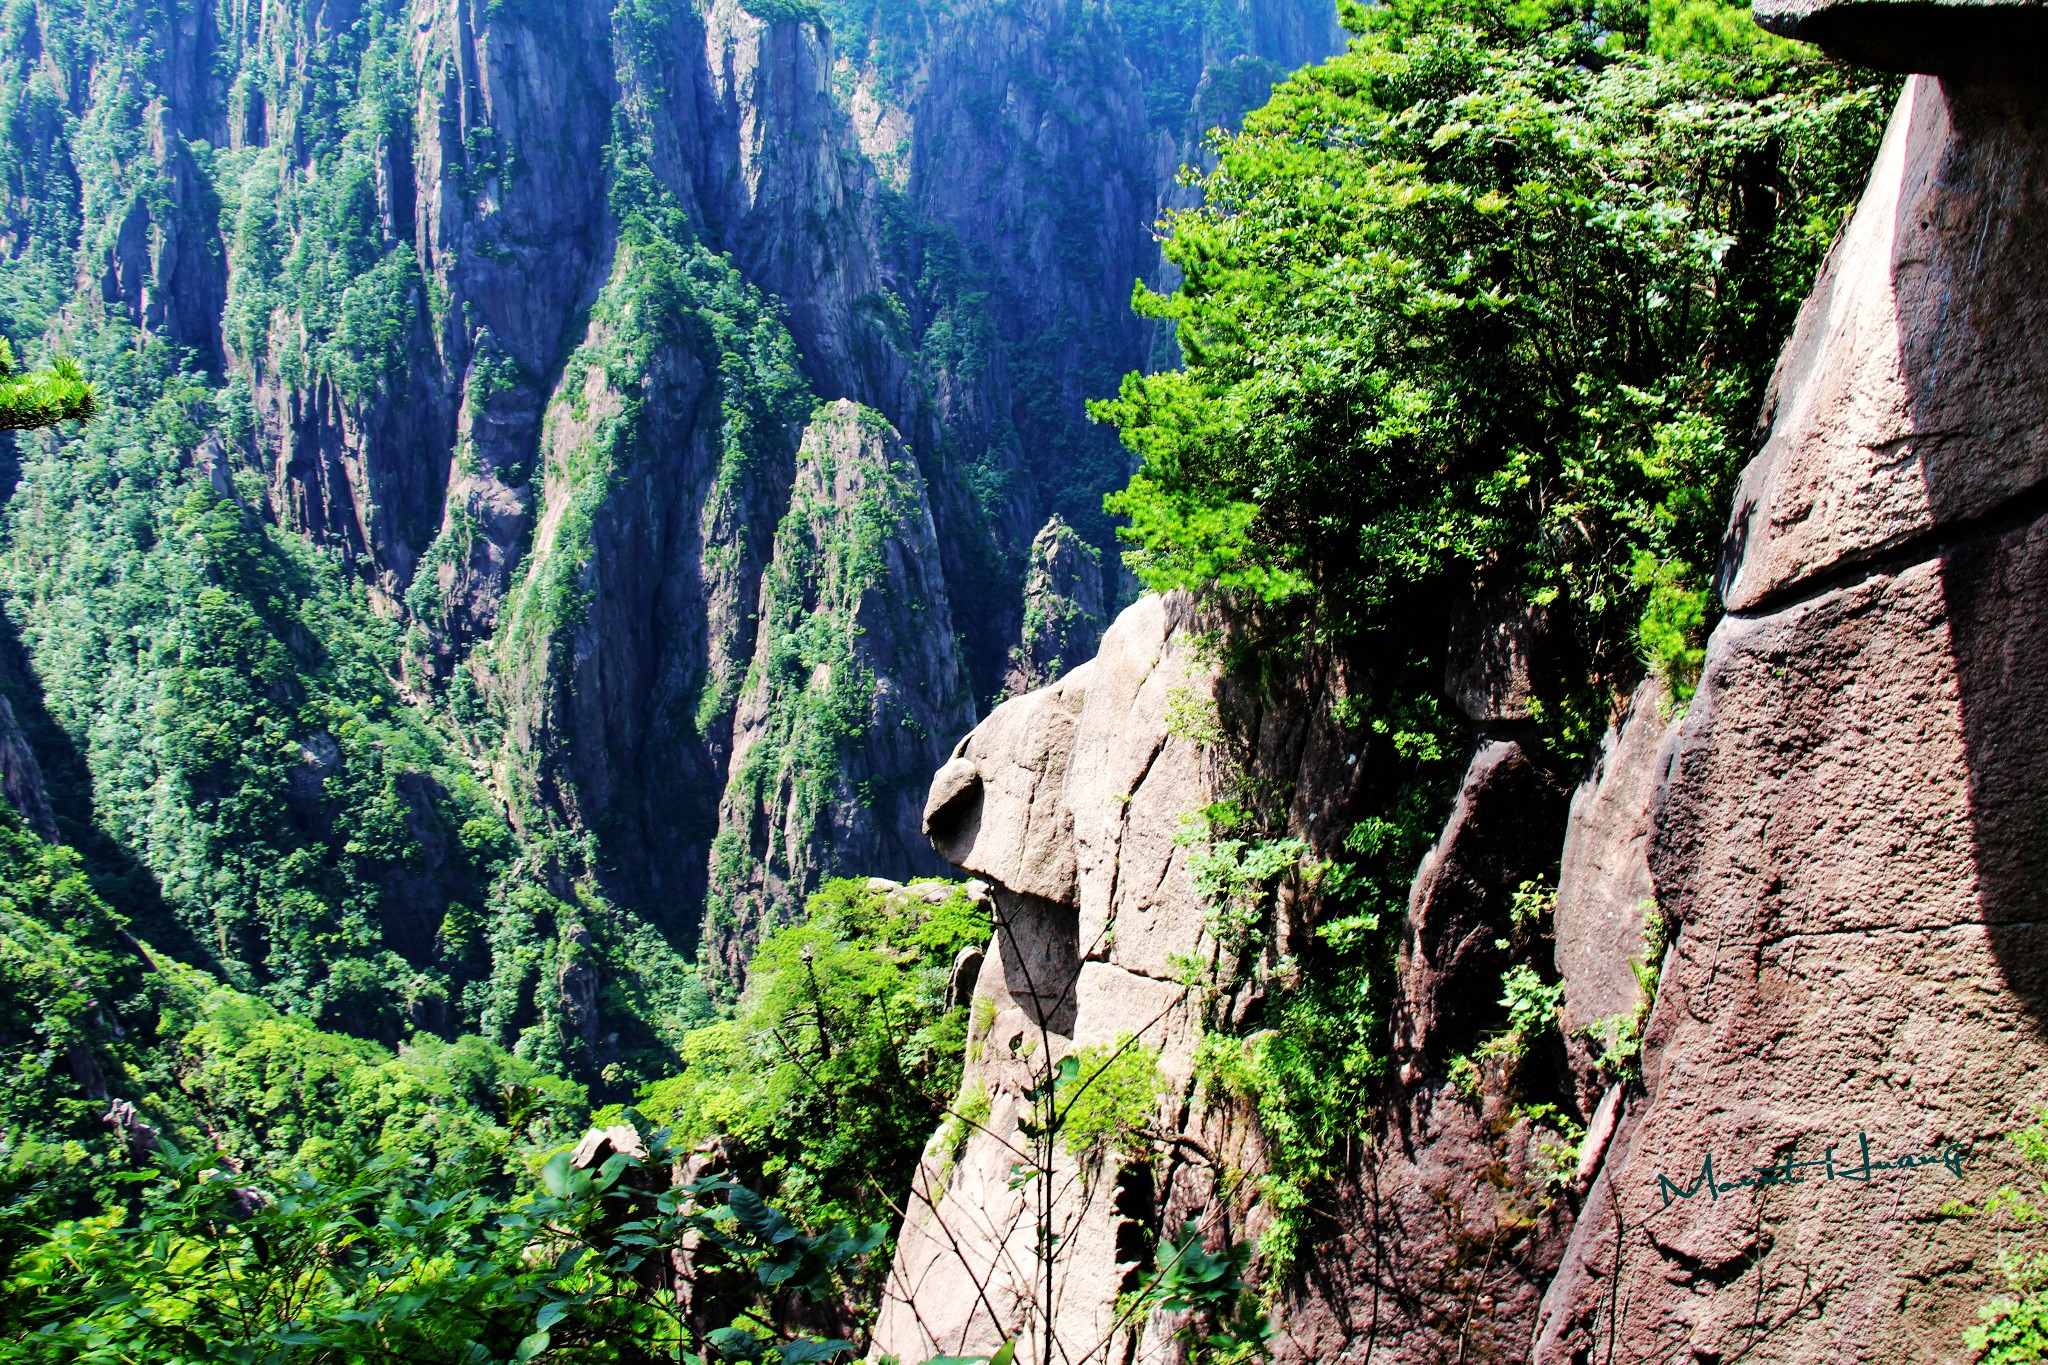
[1486,305]
[92,1021]
[1620,1036]
[44,398]
[231,693]
[1113,1100]
[1466,303]
[1674,624]
[1533,1005]
[786,11]
[2014,1326]
[841,1056]
[1236,878]
[1227,1323]
[1682,30]
[402,1259]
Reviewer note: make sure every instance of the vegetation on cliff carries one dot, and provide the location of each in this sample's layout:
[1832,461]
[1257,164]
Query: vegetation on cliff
[1477,318]
[1481,310]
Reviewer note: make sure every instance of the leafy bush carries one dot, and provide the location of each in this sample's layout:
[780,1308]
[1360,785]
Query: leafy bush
[1111,1100]
[44,398]
[1227,1324]
[445,1261]
[1491,297]
[110,1046]
[842,1055]
[2014,1327]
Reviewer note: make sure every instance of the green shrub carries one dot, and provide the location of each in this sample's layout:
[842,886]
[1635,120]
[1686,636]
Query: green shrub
[2014,1326]
[841,1057]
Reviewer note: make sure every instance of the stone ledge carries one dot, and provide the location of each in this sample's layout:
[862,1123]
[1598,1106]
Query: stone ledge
[1930,37]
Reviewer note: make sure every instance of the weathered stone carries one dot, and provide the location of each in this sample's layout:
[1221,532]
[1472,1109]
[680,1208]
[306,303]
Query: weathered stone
[1939,37]
[1604,891]
[21,776]
[955,788]
[1852,840]
[966,970]
[1067,799]
[854,657]
[1914,392]
[1064,610]
[1444,1231]
[599,1145]
[1501,832]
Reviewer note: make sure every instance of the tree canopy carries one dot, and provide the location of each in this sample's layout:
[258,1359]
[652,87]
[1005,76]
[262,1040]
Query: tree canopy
[45,397]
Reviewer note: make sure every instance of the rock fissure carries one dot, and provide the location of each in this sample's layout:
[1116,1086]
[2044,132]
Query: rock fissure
[2021,510]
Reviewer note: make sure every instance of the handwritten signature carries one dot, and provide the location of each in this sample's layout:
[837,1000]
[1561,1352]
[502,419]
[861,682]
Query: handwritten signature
[1787,1171]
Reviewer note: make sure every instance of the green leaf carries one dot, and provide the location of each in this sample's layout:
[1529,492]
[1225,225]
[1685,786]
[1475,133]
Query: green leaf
[557,1173]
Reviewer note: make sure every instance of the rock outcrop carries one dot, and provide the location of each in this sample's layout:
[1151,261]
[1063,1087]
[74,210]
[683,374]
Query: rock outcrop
[1849,840]
[856,674]
[1941,37]
[1604,892]
[1073,802]
[1064,608]
[1066,800]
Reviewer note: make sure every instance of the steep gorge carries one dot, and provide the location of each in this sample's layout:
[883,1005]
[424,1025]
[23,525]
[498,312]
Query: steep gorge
[524,313]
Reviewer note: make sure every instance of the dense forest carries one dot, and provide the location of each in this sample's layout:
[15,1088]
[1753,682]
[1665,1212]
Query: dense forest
[504,523]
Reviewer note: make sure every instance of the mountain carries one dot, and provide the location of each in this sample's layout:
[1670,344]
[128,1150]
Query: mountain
[532,429]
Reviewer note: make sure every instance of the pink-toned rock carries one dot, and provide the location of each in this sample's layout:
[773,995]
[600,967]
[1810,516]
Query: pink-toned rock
[1914,391]
[1603,884]
[1852,837]
[1500,833]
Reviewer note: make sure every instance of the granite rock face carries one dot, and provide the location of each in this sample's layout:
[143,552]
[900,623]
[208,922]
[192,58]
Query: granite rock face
[1604,892]
[855,676]
[1844,835]
[1065,800]
[522,310]
[1913,395]
[21,776]
[1064,608]
[1850,836]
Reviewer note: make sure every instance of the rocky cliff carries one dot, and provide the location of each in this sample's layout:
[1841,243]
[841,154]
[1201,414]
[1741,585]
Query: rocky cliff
[1794,923]
[522,311]
[1846,835]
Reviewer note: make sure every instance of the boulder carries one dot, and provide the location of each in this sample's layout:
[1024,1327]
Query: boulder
[1066,800]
